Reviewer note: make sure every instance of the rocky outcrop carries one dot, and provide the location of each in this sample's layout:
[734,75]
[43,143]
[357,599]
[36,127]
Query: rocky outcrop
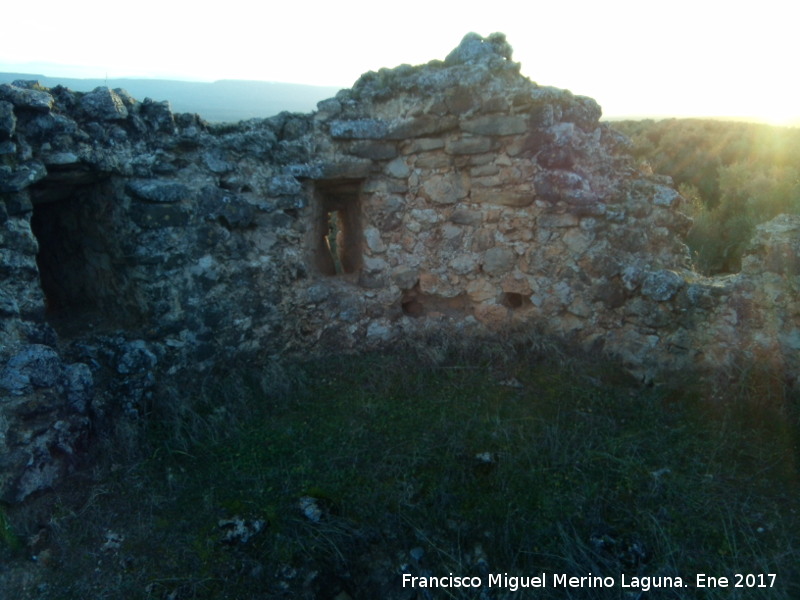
[136,244]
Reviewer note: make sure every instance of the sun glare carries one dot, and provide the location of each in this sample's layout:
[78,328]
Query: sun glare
[688,59]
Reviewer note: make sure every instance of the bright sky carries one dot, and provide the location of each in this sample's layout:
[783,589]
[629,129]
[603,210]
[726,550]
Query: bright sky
[636,58]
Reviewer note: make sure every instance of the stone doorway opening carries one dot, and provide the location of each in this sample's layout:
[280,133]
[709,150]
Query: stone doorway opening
[338,230]
[79,252]
[61,261]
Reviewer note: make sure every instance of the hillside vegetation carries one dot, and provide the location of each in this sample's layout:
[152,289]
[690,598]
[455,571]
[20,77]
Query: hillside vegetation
[735,175]
[331,479]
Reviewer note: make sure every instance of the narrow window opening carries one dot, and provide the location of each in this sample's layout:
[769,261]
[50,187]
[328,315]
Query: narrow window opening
[338,230]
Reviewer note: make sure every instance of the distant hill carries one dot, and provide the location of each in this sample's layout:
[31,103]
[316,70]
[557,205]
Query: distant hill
[226,100]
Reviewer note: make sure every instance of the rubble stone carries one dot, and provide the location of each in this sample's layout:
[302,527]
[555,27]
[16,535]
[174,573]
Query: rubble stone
[424,197]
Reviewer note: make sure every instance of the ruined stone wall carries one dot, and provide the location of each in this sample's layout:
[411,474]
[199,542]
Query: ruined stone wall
[136,245]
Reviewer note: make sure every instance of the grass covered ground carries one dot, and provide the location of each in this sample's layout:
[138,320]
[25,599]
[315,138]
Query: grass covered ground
[348,472]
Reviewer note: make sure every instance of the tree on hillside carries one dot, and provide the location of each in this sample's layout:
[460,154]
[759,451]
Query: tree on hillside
[735,175]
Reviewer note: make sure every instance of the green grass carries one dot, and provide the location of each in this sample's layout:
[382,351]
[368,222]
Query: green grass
[585,473]
[8,539]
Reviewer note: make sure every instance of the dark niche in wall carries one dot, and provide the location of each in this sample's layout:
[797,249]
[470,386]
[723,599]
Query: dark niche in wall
[416,303]
[338,232]
[64,271]
[80,271]
[515,301]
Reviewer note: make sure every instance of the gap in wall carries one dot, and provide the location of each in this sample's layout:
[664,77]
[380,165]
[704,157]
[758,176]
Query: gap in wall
[338,229]
[81,279]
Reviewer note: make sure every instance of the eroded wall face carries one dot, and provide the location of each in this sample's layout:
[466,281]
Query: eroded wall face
[455,195]
[494,205]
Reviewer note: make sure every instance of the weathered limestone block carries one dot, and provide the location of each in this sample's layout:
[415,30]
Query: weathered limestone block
[632,277]
[405,278]
[425,125]
[459,100]
[387,211]
[157,190]
[662,285]
[374,265]
[35,366]
[40,456]
[62,159]
[516,283]
[346,169]
[374,241]
[482,240]
[373,150]
[25,175]
[9,307]
[610,292]
[775,247]
[8,120]
[416,146]
[381,331]
[37,447]
[327,109]
[398,169]
[471,144]
[704,295]
[489,181]
[465,216]
[78,387]
[104,104]
[495,125]
[494,316]
[499,260]
[218,204]
[217,162]
[558,220]
[423,219]
[27,98]
[494,104]
[486,170]
[578,240]
[432,160]
[552,186]
[447,188]
[158,115]
[517,197]
[665,196]
[283,185]
[475,49]
[359,129]
[463,264]
[17,264]
[584,112]
[436,285]
[482,290]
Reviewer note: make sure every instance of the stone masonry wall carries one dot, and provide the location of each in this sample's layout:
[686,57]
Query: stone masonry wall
[136,244]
